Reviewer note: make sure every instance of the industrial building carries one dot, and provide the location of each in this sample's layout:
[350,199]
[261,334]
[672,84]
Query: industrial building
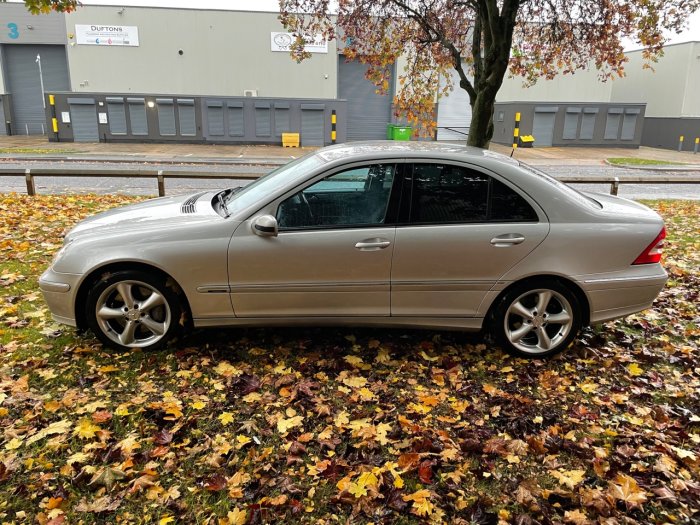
[165,74]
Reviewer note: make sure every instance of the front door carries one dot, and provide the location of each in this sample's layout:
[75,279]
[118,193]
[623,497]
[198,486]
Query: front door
[332,256]
[461,232]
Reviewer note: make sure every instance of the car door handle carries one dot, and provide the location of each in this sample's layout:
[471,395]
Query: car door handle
[372,244]
[509,239]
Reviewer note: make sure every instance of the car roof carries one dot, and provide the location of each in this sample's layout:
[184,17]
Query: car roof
[412,149]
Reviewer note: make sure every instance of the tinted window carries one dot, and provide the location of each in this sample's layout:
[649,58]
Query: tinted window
[443,193]
[355,197]
[508,206]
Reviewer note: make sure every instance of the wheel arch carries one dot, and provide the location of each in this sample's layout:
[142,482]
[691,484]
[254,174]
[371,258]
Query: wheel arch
[568,283]
[96,273]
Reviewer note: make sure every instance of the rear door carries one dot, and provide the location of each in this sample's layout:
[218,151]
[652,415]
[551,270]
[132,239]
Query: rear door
[459,231]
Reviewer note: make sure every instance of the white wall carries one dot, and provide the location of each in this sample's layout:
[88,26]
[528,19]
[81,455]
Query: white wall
[667,89]
[225,52]
[582,86]
[691,102]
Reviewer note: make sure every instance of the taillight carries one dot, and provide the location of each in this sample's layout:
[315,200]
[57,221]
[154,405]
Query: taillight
[652,253]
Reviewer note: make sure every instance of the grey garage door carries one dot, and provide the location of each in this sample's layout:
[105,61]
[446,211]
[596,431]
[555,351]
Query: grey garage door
[23,82]
[83,116]
[312,129]
[543,125]
[368,112]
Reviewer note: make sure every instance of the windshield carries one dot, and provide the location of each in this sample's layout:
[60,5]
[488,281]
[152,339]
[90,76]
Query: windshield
[270,183]
[571,192]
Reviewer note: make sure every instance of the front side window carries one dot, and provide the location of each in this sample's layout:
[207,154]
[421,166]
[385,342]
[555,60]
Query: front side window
[444,193]
[354,197]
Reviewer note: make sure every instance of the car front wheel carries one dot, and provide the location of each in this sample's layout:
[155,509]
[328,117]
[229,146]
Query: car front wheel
[131,309]
[537,319]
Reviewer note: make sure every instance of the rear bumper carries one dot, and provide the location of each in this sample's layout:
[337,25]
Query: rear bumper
[615,296]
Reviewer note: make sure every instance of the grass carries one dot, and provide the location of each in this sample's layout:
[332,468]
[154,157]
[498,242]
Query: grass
[37,151]
[632,421]
[635,161]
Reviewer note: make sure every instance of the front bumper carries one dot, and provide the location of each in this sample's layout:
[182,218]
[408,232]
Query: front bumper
[59,291]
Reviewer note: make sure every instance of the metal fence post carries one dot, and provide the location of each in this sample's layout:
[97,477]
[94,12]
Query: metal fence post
[161,184]
[614,186]
[680,143]
[31,190]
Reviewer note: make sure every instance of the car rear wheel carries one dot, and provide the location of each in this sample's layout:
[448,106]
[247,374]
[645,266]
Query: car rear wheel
[132,309]
[537,319]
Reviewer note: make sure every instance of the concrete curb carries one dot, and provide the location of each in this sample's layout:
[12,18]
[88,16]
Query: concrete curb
[150,159]
[656,167]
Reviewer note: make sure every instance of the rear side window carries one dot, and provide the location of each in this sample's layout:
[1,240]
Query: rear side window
[444,193]
[508,206]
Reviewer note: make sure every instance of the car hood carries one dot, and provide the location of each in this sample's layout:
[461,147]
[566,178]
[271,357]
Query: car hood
[162,213]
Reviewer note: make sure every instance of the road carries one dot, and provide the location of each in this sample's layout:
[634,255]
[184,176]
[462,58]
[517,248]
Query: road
[148,186]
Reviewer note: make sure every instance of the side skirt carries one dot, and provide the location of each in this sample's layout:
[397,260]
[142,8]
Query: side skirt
[472,324]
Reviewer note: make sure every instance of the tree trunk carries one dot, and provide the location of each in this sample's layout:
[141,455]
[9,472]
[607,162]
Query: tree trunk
[481,127]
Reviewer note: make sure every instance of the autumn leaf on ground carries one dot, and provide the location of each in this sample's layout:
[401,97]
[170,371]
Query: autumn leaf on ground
[569,478]
[625,489]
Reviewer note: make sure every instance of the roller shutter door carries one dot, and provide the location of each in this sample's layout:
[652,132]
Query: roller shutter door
[117,115]
[368,112]
[186,116]
[166,117]
[83,116]
[454,112]
[312,129]
[543,125]
[137,116]
[236,121]
[23,82]
[262,119]
[215,118]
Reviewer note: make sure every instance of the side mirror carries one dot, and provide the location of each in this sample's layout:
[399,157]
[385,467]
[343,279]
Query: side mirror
[265,226]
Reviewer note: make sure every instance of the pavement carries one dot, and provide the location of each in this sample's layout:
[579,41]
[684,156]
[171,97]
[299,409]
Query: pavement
[245,161]
[232,153]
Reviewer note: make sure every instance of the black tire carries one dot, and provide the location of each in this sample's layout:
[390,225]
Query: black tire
[537,334]
[149,322]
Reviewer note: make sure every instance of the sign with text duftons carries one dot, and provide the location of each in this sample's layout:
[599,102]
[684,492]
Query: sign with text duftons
[106,35]
[283,42]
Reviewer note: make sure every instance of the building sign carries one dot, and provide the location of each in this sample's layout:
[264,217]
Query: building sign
[282,42]
[97,35]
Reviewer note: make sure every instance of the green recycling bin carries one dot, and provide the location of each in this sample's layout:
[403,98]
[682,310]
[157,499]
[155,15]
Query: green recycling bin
[390,131]
[401,133]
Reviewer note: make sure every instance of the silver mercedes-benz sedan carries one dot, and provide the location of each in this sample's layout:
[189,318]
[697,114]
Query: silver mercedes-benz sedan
[379,233]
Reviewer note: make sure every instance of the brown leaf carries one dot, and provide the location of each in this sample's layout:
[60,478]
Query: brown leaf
[101,416]
[215,483]
[297,449]
[625,489]
[495,445]
[408,461]
[425,471]
[163,437]
[246,383]
[103,504]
